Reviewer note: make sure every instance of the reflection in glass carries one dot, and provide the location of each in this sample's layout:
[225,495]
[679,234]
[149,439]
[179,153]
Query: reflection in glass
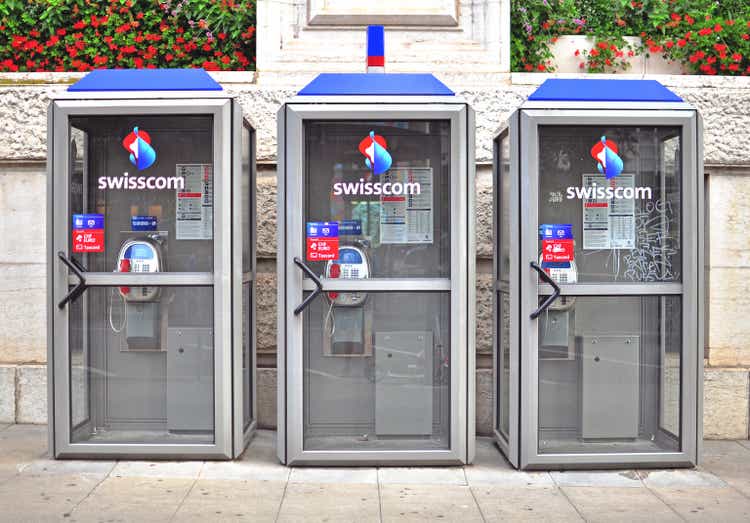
[609,374]
[635,239]
[406,235]
[142,372]
[390,390]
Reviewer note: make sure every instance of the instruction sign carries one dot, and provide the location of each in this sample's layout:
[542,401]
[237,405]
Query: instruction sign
[88,233]
[558,250]
[407,218]
[608,223]
[322,241]
[195,202]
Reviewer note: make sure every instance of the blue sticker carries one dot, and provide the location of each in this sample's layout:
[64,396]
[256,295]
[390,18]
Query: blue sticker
[555,265]
[322,229]
[88,221]
[351,227]
[143,223]
[555,231]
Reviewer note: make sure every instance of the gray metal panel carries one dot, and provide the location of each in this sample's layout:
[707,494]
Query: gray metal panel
[51,421]
[609,406]
[190,379]
[403,391]
[281,290]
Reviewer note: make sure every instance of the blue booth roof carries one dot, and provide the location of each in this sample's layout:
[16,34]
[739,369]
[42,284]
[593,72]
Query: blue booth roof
[375,84]
[101,80]
[596,90]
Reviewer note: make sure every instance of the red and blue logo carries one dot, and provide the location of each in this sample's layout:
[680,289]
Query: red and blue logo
[375,150]
[138,144]
[608,161]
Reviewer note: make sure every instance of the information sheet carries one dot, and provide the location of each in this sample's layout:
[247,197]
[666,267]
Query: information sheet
[608,223]
[408,218]
[195,202]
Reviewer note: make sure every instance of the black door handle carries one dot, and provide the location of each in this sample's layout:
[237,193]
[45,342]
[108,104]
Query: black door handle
[556,291]
[302,306]
[79,271]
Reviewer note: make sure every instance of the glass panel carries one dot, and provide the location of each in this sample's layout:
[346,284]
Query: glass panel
[248,197]
[502,299]
[377,376]
[609,374]
[145,369]
[622,198]
[142,177]
[247,353]
[387,184]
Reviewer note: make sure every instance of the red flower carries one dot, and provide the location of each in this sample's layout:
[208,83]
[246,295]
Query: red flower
[210,66]
[730,22]
[60,32]
[539,67]
[608,61]
[52,40]
[720,47]
[602,45]
[594,52]
[34,33]
[79,25]
[169,57]
[206,46]
[528,67]
[138,62]
[689,19]
[705,31]
[718,28]
[669,44]
[746,36]
[734,67]
[736,57]
[578,52]
[221,36]
[675,17]
[681,42]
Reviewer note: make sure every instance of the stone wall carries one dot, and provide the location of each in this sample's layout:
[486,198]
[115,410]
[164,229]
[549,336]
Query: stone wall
[723,102]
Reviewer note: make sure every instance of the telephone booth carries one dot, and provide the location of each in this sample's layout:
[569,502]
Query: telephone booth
[599,278]
[376,272]
[151,263]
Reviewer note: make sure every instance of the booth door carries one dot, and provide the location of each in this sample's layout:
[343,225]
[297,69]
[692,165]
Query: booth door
[139,206]
[377,218]
[612,225]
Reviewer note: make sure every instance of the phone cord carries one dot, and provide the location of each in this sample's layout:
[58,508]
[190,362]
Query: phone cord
[330,317]
[111,307]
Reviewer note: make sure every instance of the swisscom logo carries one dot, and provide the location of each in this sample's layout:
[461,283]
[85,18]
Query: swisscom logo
[378,160]
[142,156]
[138,144]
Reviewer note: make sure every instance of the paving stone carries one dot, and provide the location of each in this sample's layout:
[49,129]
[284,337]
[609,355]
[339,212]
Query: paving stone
[334,475]
[43,497]
[730,461]
[423,475]
[125,499]
[503,503]
[226,500]
[680,478]
[428,503]
[20,444]
[244,470]
[311,502]
[619,504]
[508,478]
[7,395]
[707,504]
[94,468]
[623,478]
[32,394]
[745,443]
[158,469]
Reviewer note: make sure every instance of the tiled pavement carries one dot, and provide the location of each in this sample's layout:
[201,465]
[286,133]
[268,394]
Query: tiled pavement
[257,488]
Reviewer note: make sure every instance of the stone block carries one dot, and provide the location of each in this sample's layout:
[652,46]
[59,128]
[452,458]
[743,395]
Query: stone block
[266,216]
[483,214]
[22,200]
[485,390]
[266,398]
[484,332]
[265,312]
[23,314]
[728,329]
[32,394]
[728,194]
[725,404]
[7,394]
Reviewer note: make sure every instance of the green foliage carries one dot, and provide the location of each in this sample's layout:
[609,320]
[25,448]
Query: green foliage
[683,30]
[80,35]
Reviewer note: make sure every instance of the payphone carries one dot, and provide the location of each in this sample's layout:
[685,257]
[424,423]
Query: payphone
[599,277]
[152,282]
[376,271]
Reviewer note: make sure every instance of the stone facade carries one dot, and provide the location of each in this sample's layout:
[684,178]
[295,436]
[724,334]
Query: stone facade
[723,102]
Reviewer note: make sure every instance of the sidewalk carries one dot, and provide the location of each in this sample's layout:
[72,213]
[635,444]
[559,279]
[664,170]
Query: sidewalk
[257,488]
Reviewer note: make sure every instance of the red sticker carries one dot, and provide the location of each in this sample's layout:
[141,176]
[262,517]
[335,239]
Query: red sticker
[558,250]
[88,240]
[322,249]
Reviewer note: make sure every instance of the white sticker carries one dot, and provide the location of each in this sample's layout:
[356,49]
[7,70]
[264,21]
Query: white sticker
[408,218]
[608,223]
[195,202]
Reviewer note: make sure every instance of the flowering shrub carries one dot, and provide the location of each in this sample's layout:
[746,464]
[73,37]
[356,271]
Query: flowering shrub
[706,36]
[80,35]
